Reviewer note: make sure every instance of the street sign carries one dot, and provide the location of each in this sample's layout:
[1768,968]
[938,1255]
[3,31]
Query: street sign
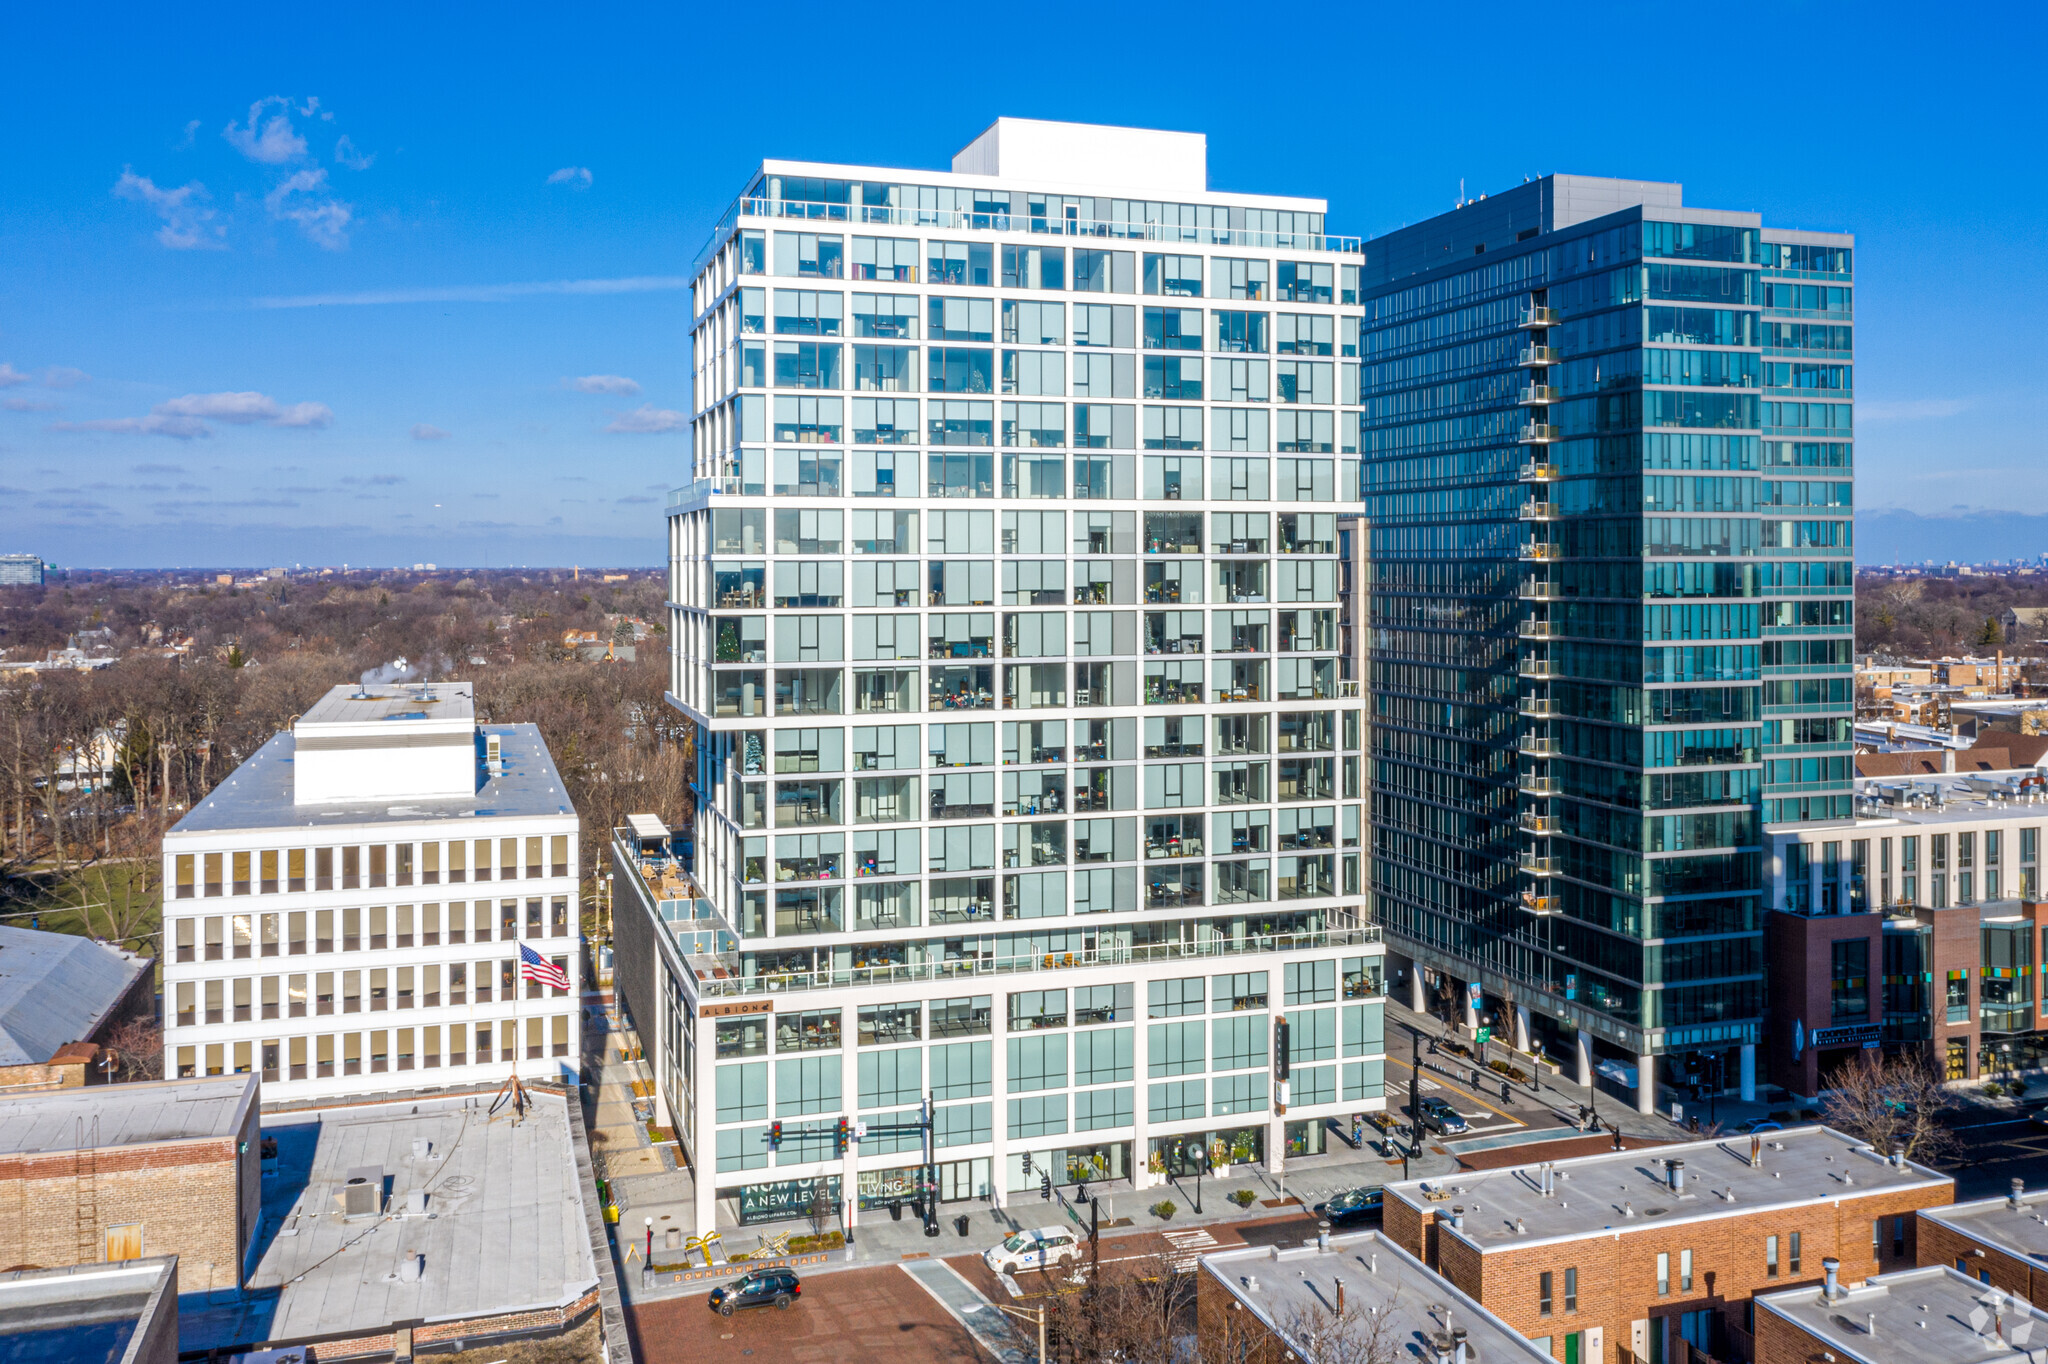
[1485,1036]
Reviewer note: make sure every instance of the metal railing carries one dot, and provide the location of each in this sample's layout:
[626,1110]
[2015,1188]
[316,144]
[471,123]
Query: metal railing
[791,981]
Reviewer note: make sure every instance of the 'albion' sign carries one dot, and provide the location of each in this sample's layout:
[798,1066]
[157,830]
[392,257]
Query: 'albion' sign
[1849,1035]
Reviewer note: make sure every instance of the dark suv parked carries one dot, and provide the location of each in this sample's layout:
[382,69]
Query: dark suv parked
[769,1286]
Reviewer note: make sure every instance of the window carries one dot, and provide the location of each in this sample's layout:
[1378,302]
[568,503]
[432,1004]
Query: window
[1311,982]
[885,316]
[1179,276]
[971,263]
[1044,1115]
[1177,1101]
[1663,1273]
[1849,979]
[1795,1252]
[1105,272]
[1173,998]
[1685,1271]
[1571,1290]
[1102,1056]
[1034,1009]
[1175,1049]
[1097,1109]
[809,254]
[1243,990]
[1543,1294]
[807,1084]
[965,1016]
[1038,1062]
[1770,1257]
[1249,280]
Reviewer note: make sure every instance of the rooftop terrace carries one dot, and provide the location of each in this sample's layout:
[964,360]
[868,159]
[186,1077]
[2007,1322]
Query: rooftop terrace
[1930,1315]
[1294,1292]
[1631,1190]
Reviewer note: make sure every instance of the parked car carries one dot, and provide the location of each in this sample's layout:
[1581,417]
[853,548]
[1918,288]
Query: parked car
[1756,1125]
[1438,1116]
[1040,1248]
[1354,1207]
[762,1288]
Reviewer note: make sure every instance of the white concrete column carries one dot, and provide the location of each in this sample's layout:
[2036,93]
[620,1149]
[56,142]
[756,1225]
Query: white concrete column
[1646,1084]
[1276,1144]
[1585,1059]
[1813,878]
[1522,1028]
[849,1167]
[1416,999]
[1749,1072]
[1141,1111]
[704,1181]
[999,1106]
[1471,1010]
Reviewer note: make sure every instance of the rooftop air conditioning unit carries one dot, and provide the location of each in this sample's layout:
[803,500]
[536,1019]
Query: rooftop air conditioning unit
[362,1194]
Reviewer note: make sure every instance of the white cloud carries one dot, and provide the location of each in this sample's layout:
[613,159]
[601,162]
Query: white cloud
[345,154]
[617,384]
[188,222]
[426,432]
[312,416]
[10,376]
[647,420]
[191,132]
[178,428]
[270,137]
[28,405]
[479,293]
[324,221]
[240,409]
[1912,409]
[63,376]
[577,177]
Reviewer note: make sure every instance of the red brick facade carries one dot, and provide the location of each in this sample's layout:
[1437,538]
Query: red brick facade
[1939,1245]
[1617,1268]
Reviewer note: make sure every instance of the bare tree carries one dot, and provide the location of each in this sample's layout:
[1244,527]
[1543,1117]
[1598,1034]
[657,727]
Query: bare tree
[1325,1333]
[138,1049]
[1896,1100]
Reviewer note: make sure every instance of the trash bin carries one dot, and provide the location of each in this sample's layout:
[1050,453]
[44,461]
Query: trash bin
[931,1228]
[960,1224]
[895,1210]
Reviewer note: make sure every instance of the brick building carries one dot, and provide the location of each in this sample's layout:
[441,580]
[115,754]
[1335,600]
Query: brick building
[1928,1315]
[1629,1252]
[120,1172]
[126,1312]
[1999,1241]
[1319,1301]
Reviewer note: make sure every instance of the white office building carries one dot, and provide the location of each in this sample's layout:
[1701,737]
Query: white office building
[1005,598]
[343,914]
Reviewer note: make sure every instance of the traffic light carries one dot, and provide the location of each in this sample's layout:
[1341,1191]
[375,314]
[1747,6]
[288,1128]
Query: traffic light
[775,1136]
[1045,1187]
[840,1135]
[1027,1165]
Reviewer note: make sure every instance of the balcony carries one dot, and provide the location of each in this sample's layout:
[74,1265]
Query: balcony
[1539,866]
[1537,549]
[1542,905]
[1534,705]
[1533,356]
[1537,745]
[716,979]
[1535,667]
[1536,589]
[1538,433]
[1534,472]
[1533,316]
[1535,629]
[1529,784]
[1538,824]
[1533,510]
[1536,395]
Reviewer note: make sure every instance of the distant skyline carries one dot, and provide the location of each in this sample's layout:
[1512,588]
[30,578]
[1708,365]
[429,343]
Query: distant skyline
[277,288]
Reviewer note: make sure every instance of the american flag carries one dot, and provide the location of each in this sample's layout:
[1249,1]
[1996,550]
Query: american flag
[533,966]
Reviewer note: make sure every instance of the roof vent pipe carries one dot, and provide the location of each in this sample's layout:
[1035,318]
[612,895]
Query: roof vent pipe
[1323,1238]
[1340,1297]
[1756,1152]
[2019,1186]
[1899,1154]
[1457,1219]
[1440,1344]
[1869,1324]
[1674,1172]
[1833,1269]
[1459,1353]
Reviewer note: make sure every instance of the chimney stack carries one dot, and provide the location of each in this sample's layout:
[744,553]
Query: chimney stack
[1832,1268]
[2019,1186]
[1458,1348]
[1899,1154]
[1674,1172]
[1457,1219]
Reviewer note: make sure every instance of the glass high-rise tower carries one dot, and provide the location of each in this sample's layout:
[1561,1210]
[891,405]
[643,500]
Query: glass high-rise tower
[1607,480]
[1005,601]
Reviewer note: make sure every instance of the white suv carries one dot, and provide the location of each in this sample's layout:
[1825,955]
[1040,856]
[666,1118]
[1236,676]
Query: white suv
[1041,1248]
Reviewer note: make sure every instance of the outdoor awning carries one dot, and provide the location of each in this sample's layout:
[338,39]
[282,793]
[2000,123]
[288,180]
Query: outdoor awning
[647,826]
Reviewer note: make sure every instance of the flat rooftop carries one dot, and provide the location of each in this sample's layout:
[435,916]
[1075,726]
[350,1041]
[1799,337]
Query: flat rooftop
[1931,1315]
[1626,1190]
[504,1225]
[2022,1232]
[128,1115]
[85,1312]
[1294,1290]
[259,794]
[453,702]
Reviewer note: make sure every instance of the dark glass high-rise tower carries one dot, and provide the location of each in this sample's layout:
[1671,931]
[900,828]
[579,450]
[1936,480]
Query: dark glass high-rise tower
[1606,470]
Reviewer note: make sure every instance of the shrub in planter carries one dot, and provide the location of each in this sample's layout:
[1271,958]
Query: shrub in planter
[1164,1209]
[1243,1198]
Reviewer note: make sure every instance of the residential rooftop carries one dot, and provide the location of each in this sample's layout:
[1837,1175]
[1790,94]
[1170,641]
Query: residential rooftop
[371,703]
[140,1114]
[57,988]
[503,1228]
[1931,1315]
[2021,1231]
[259,794]
[1293,1290]
[87,1311]
[1629,1190]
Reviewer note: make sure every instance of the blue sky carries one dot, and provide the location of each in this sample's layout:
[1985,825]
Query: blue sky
[396,284]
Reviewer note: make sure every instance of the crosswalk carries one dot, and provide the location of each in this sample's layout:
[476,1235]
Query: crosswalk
[1188,1247]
